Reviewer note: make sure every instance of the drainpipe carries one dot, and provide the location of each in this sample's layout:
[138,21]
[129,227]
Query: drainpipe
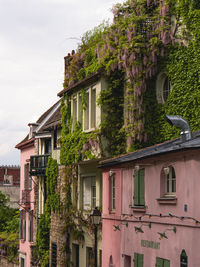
[181,123]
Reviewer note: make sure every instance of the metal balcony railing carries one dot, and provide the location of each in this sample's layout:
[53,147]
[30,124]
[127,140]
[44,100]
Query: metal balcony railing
[38,165]
[26,197]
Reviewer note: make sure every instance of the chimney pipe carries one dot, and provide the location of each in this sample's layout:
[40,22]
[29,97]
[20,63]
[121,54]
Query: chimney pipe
[181,123]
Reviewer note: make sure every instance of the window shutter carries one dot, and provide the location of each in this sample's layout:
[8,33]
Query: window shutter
[20,225]
[141,187]
[136,187]
[135,260]
[166,263]
[140,260]
[24,224]
[159,262]
[29,227]
[32,217]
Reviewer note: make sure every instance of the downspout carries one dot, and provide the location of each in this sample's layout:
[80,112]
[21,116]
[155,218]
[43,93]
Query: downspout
[181,123]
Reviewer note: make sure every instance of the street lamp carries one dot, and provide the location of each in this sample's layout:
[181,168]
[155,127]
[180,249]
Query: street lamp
[95,216]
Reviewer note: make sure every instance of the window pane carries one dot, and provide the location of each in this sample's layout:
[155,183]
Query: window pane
[166,89]
[74,110]
[79,108]
[93,108]
[86,112]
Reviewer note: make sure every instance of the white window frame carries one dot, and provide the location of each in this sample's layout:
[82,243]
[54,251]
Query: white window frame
[160,87]
[113,192]
[93,183]
[80,116]
[169,180]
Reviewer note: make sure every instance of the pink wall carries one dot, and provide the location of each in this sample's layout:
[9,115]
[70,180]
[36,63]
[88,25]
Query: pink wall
[127,241]
[25,245]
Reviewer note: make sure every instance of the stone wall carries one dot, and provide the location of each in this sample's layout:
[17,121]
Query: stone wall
[5,263]
[13,192]
[57,235]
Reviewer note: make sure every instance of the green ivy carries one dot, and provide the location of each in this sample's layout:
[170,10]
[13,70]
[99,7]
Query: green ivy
[52,204]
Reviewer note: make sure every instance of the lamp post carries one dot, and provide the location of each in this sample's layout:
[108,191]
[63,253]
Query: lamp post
[95,216]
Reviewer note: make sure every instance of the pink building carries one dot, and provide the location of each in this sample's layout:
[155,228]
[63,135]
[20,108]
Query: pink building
[26,201]
[150,206]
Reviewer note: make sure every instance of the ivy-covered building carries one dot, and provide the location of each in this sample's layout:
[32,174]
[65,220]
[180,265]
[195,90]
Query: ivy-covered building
[119,85]
[148,59]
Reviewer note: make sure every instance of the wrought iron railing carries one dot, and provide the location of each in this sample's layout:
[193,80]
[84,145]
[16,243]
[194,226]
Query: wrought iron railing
[38,165]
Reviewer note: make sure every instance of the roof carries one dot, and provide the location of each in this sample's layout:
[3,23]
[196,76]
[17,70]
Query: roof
[91,78]
[54,120]
[159,149]
[25,142]
[50,116]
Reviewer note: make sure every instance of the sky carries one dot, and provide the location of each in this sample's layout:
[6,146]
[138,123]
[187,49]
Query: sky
[35,35]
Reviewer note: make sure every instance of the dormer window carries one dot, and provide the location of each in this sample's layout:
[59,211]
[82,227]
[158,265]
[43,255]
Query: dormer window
[163,88]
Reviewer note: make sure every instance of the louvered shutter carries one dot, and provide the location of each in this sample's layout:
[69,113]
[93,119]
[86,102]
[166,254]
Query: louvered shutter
[140,260]
[141,188]
[29,226]
[24,224]
[136,188]
[159,262]
[166,263]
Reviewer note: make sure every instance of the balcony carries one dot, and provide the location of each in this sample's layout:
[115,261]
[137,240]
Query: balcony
[26,197]
[38,165]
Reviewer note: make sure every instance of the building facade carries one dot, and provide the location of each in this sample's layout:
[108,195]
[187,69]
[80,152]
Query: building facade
[150,211]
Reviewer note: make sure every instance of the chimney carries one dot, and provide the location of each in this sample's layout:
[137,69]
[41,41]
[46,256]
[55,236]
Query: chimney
[181,123]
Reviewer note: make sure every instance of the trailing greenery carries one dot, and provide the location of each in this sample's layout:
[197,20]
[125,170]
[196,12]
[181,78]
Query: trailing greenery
[141,42]
[52,204]
[9,229]
[146,37]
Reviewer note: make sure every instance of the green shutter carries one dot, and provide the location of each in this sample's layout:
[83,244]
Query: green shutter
[140,260]
[159,262]
[141,187]
[166,263]
[136,187]
[20,225]
[135,260]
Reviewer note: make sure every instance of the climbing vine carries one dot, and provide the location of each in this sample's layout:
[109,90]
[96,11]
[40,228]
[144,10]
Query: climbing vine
[52,204]
[145,38]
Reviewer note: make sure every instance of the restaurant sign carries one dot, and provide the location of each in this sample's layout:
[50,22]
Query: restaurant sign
[150,244]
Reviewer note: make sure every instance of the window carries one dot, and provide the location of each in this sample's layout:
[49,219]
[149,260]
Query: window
[75,255]
[112,192]
[55,138]
[163,87]
[138,260]
[27,178]
[47,146]
[127,261]
[22,225]
[41,194]
[139,190]
[89,257]
[30,226]
[88,116]
[86,112]
[22,262]
[111,262]
[89,192]
[184,259]
[162,262]
[170,181]
[53,255]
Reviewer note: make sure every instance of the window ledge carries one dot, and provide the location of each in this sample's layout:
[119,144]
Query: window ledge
[167,200]
[138,208]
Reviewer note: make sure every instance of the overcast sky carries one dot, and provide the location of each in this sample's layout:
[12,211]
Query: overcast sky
[35,35]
